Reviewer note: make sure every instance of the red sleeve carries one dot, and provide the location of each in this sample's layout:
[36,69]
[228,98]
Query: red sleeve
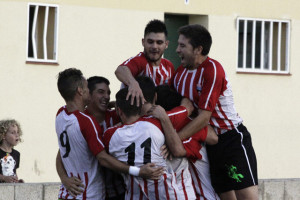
[115,117]
[192,148]
[107,136]
[136,64]
[201,135]
[178,116]
[213,78]
[91,131]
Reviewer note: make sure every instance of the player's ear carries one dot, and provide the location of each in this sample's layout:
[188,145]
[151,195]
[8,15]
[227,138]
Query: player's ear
[80,91]
[198,50]
[167,43]
[143,42]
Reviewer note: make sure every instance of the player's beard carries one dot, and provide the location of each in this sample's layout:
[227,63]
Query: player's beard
[152,59]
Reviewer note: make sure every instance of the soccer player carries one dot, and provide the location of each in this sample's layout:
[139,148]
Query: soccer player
[80,145]
[199,164]
[149,62]
[195,149]
[203,80]
[98,108]
[139,140]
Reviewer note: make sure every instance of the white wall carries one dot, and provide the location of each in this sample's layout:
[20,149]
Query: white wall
[97,36]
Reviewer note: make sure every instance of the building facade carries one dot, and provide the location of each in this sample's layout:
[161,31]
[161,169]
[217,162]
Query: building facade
[256,42]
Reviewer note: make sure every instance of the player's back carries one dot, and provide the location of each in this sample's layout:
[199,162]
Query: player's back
[76,155]
[138,144]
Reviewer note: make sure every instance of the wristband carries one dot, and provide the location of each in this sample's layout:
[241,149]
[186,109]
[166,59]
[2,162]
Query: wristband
[134,171]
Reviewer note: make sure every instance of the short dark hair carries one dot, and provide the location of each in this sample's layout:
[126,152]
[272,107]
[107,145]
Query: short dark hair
[92,81]
[68,82]
[167,98]
[156,26]
[147,86]
[125,105]
[198,35]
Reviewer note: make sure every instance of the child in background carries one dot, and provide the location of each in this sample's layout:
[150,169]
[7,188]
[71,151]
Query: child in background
[10,132]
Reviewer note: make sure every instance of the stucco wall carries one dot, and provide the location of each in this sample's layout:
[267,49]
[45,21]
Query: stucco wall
[97,36]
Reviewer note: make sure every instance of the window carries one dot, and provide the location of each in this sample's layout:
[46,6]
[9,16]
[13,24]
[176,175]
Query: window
[263,45]
[42,33]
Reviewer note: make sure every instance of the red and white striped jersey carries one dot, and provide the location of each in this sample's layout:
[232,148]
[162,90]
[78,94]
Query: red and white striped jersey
[79,143]
[160,75]
[138,144]
[180,166]
[201,178]
[111,119]
[209,89]
[114,182]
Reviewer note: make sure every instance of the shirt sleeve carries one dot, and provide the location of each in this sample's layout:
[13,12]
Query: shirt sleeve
[107,136]
[91,131]
[201,135]
[213,77]
[192,148]
[135,64]
[178,116]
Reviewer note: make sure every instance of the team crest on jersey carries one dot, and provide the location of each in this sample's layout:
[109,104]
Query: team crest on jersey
[199,88]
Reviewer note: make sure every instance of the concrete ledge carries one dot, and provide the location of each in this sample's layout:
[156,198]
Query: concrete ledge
[269,189]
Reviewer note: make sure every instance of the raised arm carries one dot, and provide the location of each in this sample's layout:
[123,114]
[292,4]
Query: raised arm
[172,139]
[125,76]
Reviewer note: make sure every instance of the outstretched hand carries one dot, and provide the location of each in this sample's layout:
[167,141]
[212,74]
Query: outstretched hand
[73,185]
[135,92]
[150,171]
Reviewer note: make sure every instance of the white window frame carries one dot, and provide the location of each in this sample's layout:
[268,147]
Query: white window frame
[33,36]
[270,67]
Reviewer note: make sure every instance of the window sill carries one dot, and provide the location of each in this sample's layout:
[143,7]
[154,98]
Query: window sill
[265,73]
[42,63]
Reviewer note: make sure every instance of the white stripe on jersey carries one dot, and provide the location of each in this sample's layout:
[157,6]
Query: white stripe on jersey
[191,84]
[96,132]
[162,80]
[177,85]
[176,113]
[212,87]
[201,177]
[166,72]
[183,86]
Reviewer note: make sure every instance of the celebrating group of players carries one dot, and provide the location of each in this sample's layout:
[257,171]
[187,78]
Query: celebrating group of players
[172,134]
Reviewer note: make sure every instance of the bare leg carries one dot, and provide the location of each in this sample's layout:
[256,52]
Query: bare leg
[249,193]
[230,195]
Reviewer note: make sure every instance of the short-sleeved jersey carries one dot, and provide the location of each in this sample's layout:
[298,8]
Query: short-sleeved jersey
[111,119]
[209,89]
[79,143]
[9,162]
[160,75]
[138,144]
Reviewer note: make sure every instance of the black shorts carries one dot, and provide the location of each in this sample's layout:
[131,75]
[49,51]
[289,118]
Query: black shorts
[232,161]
